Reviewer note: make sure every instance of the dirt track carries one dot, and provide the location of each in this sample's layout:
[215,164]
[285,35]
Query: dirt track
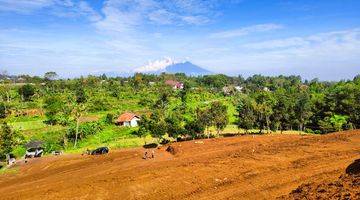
[263,167]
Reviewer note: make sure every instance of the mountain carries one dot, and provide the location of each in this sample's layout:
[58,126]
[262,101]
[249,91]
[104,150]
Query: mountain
[187,68]
[168,65]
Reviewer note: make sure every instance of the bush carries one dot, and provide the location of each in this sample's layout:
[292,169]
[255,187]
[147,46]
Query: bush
[26,92]
[109,119]
[308,130]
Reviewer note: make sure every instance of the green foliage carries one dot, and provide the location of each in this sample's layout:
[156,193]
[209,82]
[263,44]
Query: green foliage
[246,113]
[195,128]
[219,116]
[109,119]
[56,110]
[80,95]
[338,121]
[26,92]
[333,123]
[2,110]
[9,139]
[50,76]
[282,103]
[85,129]
[53,140]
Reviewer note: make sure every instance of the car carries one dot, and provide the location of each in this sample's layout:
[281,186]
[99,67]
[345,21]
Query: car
[100,151]
[34,152]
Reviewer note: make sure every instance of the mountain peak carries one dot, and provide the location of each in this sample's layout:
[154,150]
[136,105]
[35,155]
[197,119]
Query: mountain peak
[168,65]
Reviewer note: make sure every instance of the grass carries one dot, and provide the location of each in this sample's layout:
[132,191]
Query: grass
[112,137]
[6,170]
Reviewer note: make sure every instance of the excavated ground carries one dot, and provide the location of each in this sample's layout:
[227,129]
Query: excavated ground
[245,167]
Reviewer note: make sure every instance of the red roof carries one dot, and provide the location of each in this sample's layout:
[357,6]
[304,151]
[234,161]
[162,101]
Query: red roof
[171,82]
[126,117]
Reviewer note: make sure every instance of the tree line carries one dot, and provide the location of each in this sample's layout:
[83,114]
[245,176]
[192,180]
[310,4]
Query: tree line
[261,103]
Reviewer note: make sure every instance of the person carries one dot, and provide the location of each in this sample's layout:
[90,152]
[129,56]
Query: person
[145,155]
[153,154]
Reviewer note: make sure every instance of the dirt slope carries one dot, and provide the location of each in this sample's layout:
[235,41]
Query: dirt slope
[260,167]
[346,187]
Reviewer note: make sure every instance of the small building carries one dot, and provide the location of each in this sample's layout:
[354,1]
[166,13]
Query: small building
[175,84]
[128,119]
[239,88]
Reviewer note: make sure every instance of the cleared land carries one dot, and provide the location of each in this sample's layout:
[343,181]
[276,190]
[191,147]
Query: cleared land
[246,167]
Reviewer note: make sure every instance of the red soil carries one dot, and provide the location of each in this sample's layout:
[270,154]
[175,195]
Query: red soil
[246,167]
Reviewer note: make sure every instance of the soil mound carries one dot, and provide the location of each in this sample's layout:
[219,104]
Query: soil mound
[172,150]
[346,187]
[354,168]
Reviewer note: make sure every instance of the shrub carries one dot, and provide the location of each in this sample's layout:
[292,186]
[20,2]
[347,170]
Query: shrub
[308,130]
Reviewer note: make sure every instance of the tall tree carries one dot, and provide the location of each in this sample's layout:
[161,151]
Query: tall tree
[8,140]
[219,115]
[78,112]
[246,113]
[50,76]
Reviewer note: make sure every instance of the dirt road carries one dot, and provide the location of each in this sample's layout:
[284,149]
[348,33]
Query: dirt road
[246,167]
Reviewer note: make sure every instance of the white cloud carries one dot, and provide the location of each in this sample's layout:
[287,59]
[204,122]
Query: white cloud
[157,65]
[246,31]
[24,6]
[332,55]
[60,8]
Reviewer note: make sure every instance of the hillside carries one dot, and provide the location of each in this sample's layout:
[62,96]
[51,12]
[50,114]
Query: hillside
[243,167]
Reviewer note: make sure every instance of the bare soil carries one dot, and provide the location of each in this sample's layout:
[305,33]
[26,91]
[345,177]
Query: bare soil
[246,167]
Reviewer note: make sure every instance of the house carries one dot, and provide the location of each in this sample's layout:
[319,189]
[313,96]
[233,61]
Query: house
[175,84]
[128,119]
[266,89]
[239,88]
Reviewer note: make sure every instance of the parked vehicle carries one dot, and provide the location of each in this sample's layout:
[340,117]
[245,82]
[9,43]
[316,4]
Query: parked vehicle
[10,158]
[34,152]
[100,151]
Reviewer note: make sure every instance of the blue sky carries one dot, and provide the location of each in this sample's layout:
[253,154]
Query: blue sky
[308,38]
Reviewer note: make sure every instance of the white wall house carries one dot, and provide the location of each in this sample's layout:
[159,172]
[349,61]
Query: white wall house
[128,119]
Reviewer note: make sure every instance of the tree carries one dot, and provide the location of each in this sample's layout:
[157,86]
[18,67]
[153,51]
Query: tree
[144,128]
[174,124]
[78,112]
[219,115]
[338,121]
[2,110]
[163,100]
[80,95]
[303,109]
[53,106]
[264,109]
[282,111]
[26,92]
[8,140]
[109,119]
[246,113]
[50,76]
[195,127]
[204,118]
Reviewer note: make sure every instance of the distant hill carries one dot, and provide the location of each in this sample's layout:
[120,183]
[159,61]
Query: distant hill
[160,66]
[187,68]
